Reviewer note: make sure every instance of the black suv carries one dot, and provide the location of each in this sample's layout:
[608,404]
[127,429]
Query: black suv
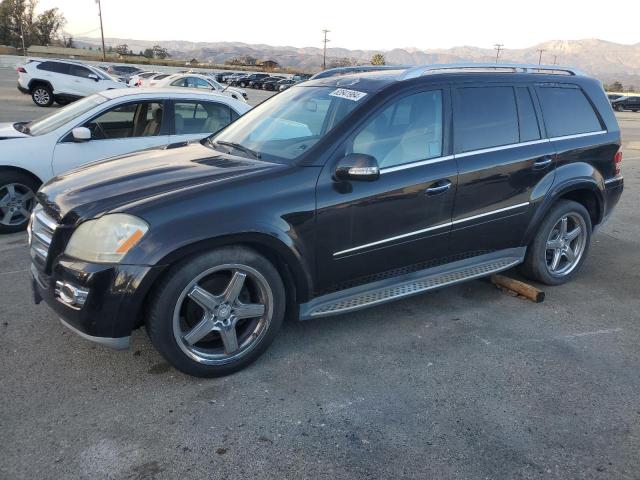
[336,195]
[626,103]
[248,79]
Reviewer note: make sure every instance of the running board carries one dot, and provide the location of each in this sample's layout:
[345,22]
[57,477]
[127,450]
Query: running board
[409,284]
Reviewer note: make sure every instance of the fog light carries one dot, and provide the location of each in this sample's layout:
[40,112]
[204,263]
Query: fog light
[70,294]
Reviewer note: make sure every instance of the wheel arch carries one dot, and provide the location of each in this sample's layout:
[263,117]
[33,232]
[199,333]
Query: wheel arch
[10,168]
[588,193]
[37,81]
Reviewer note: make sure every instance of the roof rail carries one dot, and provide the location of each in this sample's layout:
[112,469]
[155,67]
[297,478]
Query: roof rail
[333,72]
[418,71]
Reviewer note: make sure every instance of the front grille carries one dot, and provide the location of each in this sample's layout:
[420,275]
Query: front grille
[41,234]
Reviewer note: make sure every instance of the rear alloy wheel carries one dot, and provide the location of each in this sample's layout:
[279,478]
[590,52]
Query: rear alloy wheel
[560,246]
[17,199]
[218,312]
[42,96]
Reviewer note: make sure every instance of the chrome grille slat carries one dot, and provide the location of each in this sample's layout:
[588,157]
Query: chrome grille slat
[43,228]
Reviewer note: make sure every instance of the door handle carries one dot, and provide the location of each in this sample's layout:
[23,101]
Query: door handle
[438,187]
[544,162]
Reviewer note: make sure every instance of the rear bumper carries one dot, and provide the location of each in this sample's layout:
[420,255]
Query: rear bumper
[612,191]
[110,299]
[23,89]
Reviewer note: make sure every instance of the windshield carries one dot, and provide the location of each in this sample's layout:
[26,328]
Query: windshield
[59,117]
[287,125]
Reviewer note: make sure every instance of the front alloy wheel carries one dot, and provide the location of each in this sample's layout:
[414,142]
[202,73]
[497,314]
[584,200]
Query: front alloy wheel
[215,313]
[17,199]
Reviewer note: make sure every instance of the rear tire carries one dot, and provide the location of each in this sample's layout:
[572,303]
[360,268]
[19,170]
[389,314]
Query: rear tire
[42,95]
[215,313]
[560,246]
[17,199]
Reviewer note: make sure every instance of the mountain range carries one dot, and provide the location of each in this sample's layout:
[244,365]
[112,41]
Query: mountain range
[605,60]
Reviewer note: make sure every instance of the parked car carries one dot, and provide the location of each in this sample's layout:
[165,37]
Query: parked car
[230,76]
[244,81]
[267,83]
[137,79]
[330,197]
[153,80]
[194,80]
[284,84]
[123,72]
[626,103]
[62,81]
[101,125]
[613,96]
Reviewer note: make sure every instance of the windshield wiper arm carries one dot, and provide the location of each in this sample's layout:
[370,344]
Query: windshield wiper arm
[237,146]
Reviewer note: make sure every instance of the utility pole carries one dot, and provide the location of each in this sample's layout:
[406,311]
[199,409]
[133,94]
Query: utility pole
[540,51]
[104,53]
[24,50]
[498,47]
[324,54]
[555,59]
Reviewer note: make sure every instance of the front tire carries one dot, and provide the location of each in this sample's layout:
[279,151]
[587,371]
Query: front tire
[42,95]
[17,199]
[560,246]
[215,313]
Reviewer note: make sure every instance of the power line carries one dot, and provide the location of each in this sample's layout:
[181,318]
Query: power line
[498,48]
[324,52]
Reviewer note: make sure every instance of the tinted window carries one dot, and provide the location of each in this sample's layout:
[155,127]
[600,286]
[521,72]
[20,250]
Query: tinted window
[408,130]
[201,117]
[485,117]
[56,67]
[529,129]
[125,121]
[567,111]
[79,71]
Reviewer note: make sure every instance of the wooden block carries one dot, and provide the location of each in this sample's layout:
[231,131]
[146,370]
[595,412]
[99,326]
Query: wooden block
[521,288]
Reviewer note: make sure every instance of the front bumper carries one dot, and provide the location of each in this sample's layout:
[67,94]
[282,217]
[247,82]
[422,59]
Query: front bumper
[110,306]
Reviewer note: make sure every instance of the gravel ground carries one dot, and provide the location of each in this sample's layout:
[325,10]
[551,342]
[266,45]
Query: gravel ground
[465,383]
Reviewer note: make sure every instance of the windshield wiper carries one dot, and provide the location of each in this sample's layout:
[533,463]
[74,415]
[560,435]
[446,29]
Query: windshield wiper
[237,146]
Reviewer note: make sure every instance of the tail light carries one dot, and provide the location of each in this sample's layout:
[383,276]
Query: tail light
[21,70]
[617,160]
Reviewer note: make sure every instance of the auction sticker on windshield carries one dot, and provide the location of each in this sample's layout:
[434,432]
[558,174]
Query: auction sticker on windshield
[348,94]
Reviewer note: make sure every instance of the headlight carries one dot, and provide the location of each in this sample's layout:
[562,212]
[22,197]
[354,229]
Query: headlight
[106,239]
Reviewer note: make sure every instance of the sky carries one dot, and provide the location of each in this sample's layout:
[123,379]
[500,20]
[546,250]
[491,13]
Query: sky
[371,25]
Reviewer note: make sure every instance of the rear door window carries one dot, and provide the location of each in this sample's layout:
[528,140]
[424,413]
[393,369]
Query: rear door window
[485,117]
[79,71]
[567,111]
[201,117]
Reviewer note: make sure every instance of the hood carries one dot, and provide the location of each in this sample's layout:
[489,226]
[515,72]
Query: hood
[105,186]
[8,130]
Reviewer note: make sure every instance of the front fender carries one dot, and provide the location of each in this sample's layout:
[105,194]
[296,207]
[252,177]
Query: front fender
[568,178]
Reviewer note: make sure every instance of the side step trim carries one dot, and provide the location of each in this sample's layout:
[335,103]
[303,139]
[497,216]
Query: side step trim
[403,286]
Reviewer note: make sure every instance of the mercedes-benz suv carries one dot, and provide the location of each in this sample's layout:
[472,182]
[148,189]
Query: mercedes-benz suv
[335,195]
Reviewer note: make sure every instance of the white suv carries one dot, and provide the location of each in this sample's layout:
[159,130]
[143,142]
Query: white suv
[62,81]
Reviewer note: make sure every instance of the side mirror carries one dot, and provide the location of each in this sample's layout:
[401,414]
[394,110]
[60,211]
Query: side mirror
[93,76]
[358,166]
[81,134]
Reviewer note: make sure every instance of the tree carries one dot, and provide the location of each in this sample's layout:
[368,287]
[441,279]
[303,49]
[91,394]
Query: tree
[378,59]
[148,52]
[160,52]
[342,62]
[122,49]
[17,17]
[615,87]
[110,49]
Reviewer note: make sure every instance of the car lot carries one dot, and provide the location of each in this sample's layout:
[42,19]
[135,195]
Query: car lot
[466,382]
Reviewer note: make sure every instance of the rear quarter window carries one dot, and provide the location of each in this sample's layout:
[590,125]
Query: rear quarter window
[567,111]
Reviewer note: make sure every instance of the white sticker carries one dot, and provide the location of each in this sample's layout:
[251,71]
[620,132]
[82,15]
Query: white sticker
[348,94]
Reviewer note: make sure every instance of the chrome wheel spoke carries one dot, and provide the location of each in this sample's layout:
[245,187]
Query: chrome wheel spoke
[201,330]
[557,255]
[554,244]
[28,195]
[569,254]
[232,292]
[205,299]
[573,234]
[8,216]
[11,190]
[229,337]
[563,227]
[248,310]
